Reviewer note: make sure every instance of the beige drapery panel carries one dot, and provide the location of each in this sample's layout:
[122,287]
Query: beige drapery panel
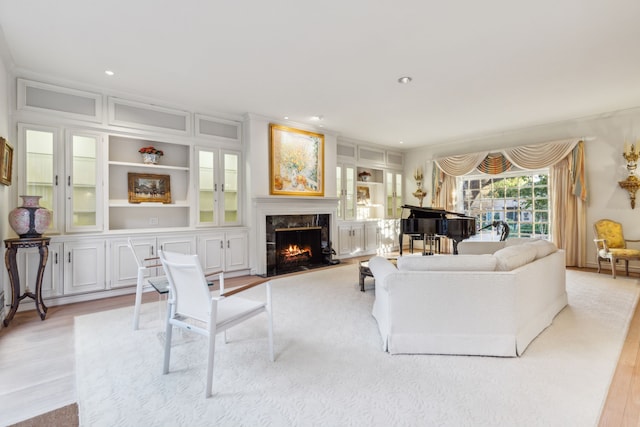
[565,159]
[569,213]
[461,164]
[538,156]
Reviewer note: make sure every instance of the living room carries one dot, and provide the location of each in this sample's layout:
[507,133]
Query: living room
[599,100]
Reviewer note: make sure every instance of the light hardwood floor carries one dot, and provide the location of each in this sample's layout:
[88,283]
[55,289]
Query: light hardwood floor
[37,372]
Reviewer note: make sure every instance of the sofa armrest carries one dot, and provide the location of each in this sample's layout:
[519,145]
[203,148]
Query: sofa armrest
[381,268]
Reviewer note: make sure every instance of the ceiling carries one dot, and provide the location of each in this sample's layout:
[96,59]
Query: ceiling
[477,67]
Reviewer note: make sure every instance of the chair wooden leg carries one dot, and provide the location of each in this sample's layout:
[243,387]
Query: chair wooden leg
[626,266]
[598,264]
[614,262]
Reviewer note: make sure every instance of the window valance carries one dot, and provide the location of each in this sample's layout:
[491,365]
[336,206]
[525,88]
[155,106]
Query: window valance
[527,157]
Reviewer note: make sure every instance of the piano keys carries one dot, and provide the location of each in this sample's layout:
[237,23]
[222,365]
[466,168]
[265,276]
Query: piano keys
[434,221]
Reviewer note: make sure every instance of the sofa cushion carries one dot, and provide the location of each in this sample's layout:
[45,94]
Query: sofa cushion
[447,263]
[512,257]
[477,247]
[543,247]
[515,241]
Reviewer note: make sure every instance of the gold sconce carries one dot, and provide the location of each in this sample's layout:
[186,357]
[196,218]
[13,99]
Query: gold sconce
[419,193]
[632,183]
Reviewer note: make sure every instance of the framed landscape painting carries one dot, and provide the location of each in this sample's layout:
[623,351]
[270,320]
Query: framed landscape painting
[296,162]
[144,187]
[6,162]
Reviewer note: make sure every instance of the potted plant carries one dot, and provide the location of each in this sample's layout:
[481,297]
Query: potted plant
[150,154]
[364,176]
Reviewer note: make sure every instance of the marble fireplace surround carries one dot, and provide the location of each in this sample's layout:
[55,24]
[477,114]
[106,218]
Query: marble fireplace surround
[287,205]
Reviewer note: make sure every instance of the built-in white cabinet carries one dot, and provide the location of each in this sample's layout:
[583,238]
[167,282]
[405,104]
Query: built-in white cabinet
[84,266]
[219,180]
[28,261]
[68,177]
[124,269]
[93,179]
[371,236]
[357,238]
[346,190]
[350,239]
[126,165]
[227,251]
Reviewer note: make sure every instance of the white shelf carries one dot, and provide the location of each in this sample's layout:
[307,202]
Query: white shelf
[144,165]
[126,204]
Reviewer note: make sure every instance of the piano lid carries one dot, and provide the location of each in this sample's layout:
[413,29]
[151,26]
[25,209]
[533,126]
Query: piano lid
[421,212]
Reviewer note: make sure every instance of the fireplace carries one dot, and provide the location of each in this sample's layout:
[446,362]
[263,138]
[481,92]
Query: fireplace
[296,242]
[275,212]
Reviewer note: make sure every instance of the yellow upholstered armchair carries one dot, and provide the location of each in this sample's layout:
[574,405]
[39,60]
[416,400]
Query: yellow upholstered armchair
[612,246]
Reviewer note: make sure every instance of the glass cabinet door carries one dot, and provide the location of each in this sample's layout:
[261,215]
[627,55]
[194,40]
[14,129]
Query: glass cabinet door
[219,183]
[394,194]
[346,189]
[206,187]
[83,182]
[41,168]
[230,188]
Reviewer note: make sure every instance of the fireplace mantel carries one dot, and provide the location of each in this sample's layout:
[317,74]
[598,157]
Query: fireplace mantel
[286,205]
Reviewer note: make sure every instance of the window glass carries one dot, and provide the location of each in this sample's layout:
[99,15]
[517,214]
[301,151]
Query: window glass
[519,199]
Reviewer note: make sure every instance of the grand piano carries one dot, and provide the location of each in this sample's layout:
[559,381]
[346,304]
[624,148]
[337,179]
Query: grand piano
[429,222]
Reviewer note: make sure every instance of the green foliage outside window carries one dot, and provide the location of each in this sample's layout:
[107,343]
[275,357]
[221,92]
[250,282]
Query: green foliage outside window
[522,201]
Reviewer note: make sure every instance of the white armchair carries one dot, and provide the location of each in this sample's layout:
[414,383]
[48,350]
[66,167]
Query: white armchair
[190,300]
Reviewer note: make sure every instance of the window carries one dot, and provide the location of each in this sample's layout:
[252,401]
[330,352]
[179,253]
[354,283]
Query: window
[519,199]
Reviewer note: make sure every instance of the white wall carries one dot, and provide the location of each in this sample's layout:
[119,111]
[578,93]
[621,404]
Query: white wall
[605,135]
[5,192]
[257,140]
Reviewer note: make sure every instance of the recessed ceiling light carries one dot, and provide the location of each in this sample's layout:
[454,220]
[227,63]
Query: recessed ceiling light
[286,117]
[401,142]
[316,118]
[404,80]
[109,73]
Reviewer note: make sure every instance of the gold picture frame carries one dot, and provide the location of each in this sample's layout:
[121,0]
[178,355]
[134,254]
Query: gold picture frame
[363,195]
[146,187]
[296,162]
[6,162]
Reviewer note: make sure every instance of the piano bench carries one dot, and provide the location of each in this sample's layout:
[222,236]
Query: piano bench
[432,241]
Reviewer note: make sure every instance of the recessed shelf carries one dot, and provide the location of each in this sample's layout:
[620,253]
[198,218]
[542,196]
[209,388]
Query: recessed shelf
[144,165]
[126,204]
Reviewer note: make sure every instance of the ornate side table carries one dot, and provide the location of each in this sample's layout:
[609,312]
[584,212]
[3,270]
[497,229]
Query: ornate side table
[12,246]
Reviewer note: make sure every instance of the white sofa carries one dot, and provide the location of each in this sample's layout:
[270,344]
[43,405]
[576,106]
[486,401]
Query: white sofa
[492,299]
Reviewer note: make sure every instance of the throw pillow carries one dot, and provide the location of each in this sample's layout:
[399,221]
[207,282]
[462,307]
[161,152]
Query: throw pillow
[543,247]
[512,257]
[447,263]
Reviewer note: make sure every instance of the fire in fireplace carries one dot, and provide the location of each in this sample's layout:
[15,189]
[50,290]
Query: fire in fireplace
[298,247]
[296,242]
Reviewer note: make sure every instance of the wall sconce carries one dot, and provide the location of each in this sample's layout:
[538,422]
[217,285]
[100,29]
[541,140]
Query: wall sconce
[632,183]
[419,193]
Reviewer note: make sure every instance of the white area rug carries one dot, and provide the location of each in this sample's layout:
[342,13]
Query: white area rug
[330,369]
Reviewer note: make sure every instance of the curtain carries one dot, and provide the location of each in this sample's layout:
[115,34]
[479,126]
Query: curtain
[567,185]
[568,198]
[444,189]
[538,156]
[494,164]
[461,164]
